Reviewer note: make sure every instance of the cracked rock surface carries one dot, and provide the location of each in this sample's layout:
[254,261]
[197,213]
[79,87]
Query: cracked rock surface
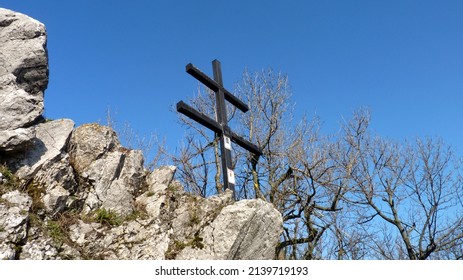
[23,77]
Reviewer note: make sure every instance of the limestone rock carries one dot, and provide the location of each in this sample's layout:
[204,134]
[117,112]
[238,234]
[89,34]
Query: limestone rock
[114,180]
[16,139]
[114,174]
[247,229]
[24,54]
[14,215]
[140,239]
[155,197]
[14,208]
[190,214]
[51,140]
[163,175]
[189,228]
[59,183]
[39,249]
[148,237]
[23,77]
[18,108]
[90,142]
[7,251]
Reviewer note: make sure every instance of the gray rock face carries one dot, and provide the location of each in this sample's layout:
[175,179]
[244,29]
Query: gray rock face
[16,139]
[39,249]
[198,228]
[90,142]
[248,229]
[19,108]
[57,180]
[155,197]
[23,75]
[23,43]
[114,174]
[50,141]
[14,216]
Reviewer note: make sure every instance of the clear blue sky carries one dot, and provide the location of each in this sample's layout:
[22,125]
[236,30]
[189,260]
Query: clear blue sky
[402,59]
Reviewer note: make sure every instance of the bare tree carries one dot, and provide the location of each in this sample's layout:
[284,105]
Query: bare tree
[411,191]
[348,196]
[295,172]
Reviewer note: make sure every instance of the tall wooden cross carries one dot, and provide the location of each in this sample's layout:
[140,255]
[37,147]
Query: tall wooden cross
[220,126]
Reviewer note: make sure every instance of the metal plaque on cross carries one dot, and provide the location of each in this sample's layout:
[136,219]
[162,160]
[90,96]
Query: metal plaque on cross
[220,125]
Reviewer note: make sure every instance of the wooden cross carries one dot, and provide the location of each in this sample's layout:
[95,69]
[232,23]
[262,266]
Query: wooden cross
[220,126]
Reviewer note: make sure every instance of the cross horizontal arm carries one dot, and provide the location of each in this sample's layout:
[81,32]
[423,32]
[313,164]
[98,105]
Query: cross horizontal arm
[245,144]
[213,85]
[189,111]
[192,113]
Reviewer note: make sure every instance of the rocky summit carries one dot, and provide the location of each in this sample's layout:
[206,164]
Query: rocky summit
[77,193]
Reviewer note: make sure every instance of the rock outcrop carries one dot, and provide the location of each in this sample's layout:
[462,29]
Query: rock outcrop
[23,77]
[77,193]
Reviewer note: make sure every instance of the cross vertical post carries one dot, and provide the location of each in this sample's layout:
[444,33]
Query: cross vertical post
[225,150]
[220,125]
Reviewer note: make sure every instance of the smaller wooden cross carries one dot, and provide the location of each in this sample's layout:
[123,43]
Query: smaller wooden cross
[219,126]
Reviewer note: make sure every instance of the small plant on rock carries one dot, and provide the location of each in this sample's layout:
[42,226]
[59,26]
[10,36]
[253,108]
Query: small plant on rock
[56,232]
[36,192]
[8,180]
[107,217]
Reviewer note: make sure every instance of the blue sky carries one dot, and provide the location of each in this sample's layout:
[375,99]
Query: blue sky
[402,59]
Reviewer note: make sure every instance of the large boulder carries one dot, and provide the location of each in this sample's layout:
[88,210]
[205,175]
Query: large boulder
[247,229]
[113,174]
[90,142]
[23,76]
